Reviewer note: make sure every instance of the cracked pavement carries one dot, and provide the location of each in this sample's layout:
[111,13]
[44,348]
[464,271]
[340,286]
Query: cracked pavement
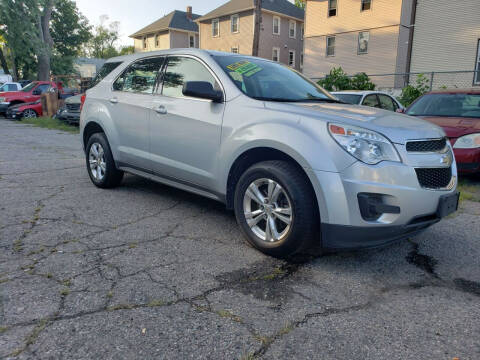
[148,271]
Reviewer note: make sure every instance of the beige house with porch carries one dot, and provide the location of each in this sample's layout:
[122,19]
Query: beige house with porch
[231,26]
[178,29]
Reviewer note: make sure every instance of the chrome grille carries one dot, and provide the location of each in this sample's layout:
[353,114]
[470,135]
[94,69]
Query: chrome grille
[427,145]
[73,107]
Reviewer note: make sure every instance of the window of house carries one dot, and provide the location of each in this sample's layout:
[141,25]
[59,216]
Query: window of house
[182,69]
[366,5]
[140,77]
[330,45]
[215,28]
[235,50]
[291,58]
[276,54]
[144,42]
[234,24]
[301,60]
[292,29]
[157,41]
[191,40]
[476,77]
[363,39]
[276,25]
[302,31]
[332,7]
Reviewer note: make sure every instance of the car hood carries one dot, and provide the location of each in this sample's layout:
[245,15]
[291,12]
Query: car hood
[455,127]
[77,99]
[397,127]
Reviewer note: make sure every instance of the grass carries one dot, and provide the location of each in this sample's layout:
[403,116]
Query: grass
[50,123]
[469,189]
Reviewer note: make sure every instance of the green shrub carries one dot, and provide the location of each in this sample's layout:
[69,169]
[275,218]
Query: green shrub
[338,80]
[411,92]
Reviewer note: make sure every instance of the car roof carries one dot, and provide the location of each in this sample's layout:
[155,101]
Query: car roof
[183,51]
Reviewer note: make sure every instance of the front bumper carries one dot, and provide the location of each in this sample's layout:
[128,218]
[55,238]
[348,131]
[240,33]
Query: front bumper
[468,160]
[69,117]
[13,114]
[414,208]
[4,107]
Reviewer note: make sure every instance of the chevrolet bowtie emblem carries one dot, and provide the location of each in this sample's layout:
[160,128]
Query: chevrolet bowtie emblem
[446,159]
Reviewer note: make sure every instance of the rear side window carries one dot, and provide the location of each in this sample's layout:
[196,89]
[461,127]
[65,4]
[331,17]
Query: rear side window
[371,100]
[140,77]
[106,69]
[183,69]
[43,88]
[387,102]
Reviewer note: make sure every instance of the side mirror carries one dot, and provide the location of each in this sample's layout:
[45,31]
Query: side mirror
[202,90]
[401,111]
[37,92]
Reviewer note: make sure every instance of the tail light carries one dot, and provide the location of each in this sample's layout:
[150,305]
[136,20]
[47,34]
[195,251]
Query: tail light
[82,101]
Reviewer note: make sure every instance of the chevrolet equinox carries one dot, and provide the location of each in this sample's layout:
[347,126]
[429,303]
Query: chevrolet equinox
[296,165]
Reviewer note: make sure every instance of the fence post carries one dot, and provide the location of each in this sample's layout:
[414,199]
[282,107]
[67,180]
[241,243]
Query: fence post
[431,81]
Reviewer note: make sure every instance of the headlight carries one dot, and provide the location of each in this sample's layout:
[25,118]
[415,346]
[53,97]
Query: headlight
[365,145]
[471,141]
[2,99]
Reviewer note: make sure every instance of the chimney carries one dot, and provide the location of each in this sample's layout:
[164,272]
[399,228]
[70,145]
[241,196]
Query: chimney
[189,12]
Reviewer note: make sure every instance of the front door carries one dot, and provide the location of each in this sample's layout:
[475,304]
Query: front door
[130,103]
[185,132]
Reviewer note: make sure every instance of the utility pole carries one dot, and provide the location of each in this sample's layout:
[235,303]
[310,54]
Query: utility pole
[256,31]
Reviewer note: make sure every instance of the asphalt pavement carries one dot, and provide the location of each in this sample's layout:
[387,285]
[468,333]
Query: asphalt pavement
[146,271]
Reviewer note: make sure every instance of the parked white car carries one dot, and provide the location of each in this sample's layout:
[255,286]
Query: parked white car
[10,86]
[376,99]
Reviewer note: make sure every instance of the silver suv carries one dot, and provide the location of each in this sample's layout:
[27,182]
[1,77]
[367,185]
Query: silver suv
[298,167]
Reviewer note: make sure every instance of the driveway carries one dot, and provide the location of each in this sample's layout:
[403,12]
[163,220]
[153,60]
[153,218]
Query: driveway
[147,271]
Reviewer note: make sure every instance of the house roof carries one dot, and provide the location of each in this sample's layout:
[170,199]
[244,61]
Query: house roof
[284,7]
[175,20]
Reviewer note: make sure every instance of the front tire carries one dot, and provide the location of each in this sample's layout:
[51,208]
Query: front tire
[100,164]
[276,209]
[29,114]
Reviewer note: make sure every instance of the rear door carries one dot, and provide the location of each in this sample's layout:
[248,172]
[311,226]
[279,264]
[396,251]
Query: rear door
[387,103]
[130,103]
[185,132]
[371,100]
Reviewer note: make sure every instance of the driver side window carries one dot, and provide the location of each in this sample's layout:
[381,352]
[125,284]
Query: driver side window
[140,77]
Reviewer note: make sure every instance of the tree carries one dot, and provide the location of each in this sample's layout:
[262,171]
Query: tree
[102,43]
[70,30]
[361,81]
[126,50]
[256,30]
[300,4]
[42,33]
[3,60]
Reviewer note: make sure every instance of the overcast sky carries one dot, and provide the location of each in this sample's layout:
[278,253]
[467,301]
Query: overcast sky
[136,14]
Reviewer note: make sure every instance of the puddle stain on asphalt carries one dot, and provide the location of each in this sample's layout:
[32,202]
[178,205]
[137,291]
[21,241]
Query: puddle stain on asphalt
[422,261]
[468,286]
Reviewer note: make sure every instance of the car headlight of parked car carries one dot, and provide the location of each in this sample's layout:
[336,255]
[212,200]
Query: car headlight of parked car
[365,145]
[471,141]
[2,99]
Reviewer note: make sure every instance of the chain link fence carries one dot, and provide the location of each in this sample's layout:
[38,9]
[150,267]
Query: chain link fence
[435,80]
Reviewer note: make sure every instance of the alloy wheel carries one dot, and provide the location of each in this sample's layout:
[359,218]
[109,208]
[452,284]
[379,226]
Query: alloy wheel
[96,158]
[29,113]
[267,209]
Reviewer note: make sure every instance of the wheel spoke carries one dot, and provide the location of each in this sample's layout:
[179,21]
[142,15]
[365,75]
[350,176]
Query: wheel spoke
[253,192]
[268,233]
[254,217]
[285,219]
[273,229]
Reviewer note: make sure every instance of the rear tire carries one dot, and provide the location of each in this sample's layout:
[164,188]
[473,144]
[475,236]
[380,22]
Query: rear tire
[29,114]
[100,164]
[276,209]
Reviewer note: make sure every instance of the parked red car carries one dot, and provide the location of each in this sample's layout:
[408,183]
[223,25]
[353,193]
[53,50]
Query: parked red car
[458,113]
[30,93]
[25,110]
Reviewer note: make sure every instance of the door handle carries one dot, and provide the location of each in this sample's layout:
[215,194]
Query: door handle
[114,100]
[162,110]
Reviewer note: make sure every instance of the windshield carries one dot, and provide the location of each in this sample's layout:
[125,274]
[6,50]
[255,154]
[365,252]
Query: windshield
[29,87]
[269,81]
[451,105]
[349,98]
[106,69]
